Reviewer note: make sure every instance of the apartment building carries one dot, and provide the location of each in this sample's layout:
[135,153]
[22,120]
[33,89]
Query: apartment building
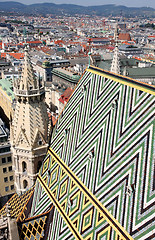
[6,171]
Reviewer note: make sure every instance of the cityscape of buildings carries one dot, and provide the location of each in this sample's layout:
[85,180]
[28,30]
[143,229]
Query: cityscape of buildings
[58,77]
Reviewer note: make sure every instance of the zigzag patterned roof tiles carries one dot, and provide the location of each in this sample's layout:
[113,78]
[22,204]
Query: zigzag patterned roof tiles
[105,136]
[98,171]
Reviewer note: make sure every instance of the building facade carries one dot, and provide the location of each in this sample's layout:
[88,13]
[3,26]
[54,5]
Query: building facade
[6,172]
[6,96]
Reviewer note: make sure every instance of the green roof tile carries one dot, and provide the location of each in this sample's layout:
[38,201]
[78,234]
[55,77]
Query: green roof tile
[7,86]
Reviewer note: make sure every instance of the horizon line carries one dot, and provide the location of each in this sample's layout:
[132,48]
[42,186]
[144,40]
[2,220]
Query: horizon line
[76,4]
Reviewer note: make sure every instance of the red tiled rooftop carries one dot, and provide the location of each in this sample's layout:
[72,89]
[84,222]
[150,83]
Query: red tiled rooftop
[65,96]
[124,36]
[67,93]
[137,58]
[58,41]
[37,41]
[45,49]
[3,55]
[61,100]
[15,55]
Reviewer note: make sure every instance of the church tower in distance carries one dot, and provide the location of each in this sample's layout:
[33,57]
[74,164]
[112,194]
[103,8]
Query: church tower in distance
[29,127]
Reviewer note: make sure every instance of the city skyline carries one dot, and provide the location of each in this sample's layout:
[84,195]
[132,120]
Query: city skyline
[77,94]
[127,3]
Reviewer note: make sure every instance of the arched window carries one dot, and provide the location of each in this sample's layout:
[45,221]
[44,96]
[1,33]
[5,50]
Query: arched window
[24,166]
[25,183]
[39,165]
[40,142]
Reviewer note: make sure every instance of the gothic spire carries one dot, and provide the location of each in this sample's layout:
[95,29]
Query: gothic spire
[28,79]
[115,65]
[116,33]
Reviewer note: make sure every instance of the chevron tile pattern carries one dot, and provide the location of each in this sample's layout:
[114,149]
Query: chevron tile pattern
[71,205]
[105,135]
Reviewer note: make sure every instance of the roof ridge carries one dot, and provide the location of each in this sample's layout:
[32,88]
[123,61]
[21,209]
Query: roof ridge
[146,87]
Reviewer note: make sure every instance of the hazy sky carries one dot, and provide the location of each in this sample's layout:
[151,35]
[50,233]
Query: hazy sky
[128,3]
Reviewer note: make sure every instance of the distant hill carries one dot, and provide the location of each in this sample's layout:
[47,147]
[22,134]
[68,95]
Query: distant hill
[71,9]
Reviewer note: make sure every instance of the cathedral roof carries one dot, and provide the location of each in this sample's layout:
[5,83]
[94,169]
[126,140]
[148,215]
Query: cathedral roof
[98,172]
[17,203]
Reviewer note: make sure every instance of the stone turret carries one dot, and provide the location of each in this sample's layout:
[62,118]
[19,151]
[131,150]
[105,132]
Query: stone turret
[29,127]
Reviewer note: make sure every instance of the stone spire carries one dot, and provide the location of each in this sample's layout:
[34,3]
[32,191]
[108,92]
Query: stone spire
[116,32]
[29,128]
[28,79]
[115,65]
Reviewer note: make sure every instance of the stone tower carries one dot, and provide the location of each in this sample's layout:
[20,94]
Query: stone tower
[116,33]
[29,127]
[115,65]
